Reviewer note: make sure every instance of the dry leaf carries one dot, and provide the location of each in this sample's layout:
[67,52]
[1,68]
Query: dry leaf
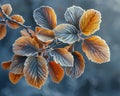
[96,49]
[14,78]
[25,46]
[7,9]
[6,65]
[17,18]
[90,22]
[78,68]
[56,71]
[2,31]
[36,71]
[62,57]
[45,17]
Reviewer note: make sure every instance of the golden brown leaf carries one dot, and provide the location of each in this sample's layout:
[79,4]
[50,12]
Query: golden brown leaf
[2,31]
[36,71]
[6,65]
[96,49]
[56,71]
[25,33]
[79,65]
[25,46]
[7,9]
[70,47]
[17,18]
[45,35]
[14,78]
[90,22]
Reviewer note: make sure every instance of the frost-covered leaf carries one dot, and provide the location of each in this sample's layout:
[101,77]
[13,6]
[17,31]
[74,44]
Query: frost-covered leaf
[24,32]
[45,35]
[17,18]
[62,57]
[78,67]
[14,78]
[2,31]
[45,16]
[73,14]
[96,49]
[56,71]
[17,64]
[66,33]
[36,71]
[7,9]
[25,46]
[90,22]
[6,65]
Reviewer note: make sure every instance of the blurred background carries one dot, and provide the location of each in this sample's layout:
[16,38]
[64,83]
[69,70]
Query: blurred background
[97,80]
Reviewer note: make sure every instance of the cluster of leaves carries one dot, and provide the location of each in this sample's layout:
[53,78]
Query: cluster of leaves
[38,53]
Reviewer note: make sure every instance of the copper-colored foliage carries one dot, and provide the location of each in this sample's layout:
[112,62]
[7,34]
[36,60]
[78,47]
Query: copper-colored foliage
[25,46]
[90,22]
[70,47]
[17,18]
[17,64]
[25,33]
[6,65]
[78,68]
[14,78]
[7,9]
[46,17]
[2,31]
[56,71]
[36,71]
[96,49]
[45,34]
[62,57]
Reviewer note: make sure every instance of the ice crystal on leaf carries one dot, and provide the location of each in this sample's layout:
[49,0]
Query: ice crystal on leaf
[37,52]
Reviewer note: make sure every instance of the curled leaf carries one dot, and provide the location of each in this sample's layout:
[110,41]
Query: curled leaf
[25,33]
[96,49]
[73,14]
[14,78]
[78,67]
[2,31]
[6,65]
[25,46]
[36,71]
[17,64]
[45,35]
[17,18]
[62,57]
[45,17]
[90,22]
[56,71]
[66,33]
[7,9]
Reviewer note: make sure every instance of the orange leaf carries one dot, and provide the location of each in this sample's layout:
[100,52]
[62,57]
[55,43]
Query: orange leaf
[2,31]
[45,35]
[6,65]
[17,18]
[70,47]
[96,49]
[25,33]
[7,9]
[25,46]
[78,68]
[90,22]
[36,71]
[45,16]
[17,64]
[56,71]
[14,78]
[37,29]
